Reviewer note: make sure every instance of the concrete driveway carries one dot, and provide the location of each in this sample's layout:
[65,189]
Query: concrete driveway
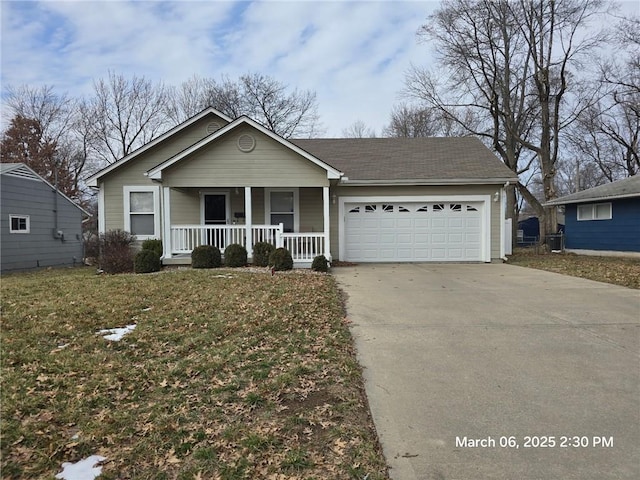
[498,353]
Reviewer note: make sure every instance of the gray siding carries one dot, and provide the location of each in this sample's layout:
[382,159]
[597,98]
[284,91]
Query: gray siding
[20,251]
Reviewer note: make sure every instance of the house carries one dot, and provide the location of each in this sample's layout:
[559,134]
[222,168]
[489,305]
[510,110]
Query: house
[40,226]
[529,229]
[217,180]
[603,219]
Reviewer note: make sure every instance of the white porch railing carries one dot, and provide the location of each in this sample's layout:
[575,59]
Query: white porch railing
[184,238]
[303,246]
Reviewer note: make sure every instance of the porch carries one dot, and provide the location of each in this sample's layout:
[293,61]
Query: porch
[299,221]
[304,246]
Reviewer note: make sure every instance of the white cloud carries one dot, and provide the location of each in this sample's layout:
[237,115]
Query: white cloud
[353,54]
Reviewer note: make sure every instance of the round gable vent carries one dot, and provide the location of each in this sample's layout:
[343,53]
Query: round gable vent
[246,143]
[213,127]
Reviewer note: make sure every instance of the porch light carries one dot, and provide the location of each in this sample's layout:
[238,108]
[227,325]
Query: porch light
[334,198]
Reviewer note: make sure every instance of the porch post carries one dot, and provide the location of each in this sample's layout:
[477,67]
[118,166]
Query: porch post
[248,220]
[325,203]
[166,210]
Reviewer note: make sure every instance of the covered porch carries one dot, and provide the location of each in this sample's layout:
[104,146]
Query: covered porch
[294,218]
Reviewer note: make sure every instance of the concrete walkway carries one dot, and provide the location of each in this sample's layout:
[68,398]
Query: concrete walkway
[498,353]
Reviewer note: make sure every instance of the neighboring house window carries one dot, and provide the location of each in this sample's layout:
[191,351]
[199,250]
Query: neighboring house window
[282,207]
[19,224]
[142,212]
[594,211]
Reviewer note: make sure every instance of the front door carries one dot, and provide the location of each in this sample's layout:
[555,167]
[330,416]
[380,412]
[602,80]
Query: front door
[215,213]
[215,209]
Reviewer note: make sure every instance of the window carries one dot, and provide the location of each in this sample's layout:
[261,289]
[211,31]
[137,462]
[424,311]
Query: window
[282,207]
[19,224]
[142,212]
[594,211]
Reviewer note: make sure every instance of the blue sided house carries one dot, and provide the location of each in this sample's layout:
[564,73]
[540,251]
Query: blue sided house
[604,219]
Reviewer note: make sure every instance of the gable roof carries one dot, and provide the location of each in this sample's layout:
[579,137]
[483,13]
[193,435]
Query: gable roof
[396,161]
[92,181]
[156,172]
[626,188]
[21,170]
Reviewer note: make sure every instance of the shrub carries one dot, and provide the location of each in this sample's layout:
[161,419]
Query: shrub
[91,248]
[235,255]
[146,261]
[206,256]
[320,264]
[261,252]
[116,255]
[153,245]
[280,259]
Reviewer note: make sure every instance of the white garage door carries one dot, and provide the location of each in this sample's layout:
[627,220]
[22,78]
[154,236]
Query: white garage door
[413,231]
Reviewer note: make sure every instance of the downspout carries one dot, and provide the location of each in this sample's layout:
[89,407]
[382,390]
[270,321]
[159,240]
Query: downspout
[503,209]
[57,233]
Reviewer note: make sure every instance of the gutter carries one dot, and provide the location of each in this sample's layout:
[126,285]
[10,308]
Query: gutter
[556,203]
[451,181]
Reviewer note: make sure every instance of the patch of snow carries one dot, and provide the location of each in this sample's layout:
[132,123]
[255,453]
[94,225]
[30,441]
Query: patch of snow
[116,334]
[82,470]
[146,309]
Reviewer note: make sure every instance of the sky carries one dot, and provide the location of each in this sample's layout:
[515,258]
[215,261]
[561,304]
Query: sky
[353,54]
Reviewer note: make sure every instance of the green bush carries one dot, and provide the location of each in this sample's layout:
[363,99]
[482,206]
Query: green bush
[146,261]
[320,264]
[280,259]
[235,255]
[116,255]
[153,245]
[261,252]
[206,256]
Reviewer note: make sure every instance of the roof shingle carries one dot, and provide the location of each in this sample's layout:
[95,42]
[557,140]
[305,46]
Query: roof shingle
[625,188]
[429,160]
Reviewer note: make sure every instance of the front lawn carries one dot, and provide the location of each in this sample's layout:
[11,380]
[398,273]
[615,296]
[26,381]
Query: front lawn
[227,375]
[617,270]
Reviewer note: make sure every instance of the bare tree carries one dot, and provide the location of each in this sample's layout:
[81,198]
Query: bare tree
[272,103]
[187,99]
[123,115]
[358,129]
[412,121]
[44,123]
[608,134]
[285,113]
[510,63]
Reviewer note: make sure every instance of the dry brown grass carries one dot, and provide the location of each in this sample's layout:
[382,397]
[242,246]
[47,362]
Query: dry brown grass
[616,270]
[228,375]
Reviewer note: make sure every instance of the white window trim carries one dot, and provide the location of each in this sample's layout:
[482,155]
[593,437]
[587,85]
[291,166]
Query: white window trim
[28,221]
[593,207]
[296,205]
[156,209]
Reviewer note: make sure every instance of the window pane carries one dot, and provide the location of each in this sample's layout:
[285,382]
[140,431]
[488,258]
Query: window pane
[603,211]
[282,202]
[585,212]
[142,225]
[286,218]
[141,202]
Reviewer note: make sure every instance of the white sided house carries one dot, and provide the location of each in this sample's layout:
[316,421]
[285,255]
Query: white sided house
[217,181]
